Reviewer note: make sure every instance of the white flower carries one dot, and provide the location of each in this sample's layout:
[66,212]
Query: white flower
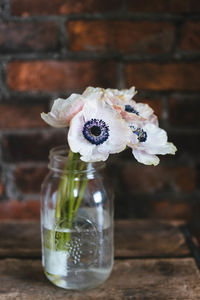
[104,121]
[96,131]
[111,96]
[144,112]
[148,141]
[63,110]
[119,97]
[131,111]
[91,93]
[137,112]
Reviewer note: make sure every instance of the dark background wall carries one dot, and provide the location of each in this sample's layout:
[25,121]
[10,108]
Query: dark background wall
[52,48]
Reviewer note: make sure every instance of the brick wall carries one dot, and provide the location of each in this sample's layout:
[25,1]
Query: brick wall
[51,48]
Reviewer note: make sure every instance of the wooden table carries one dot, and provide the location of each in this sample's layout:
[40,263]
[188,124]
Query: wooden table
[153,260]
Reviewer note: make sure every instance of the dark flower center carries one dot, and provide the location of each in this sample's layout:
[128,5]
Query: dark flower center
[95,131]
[141,134]
[130,109]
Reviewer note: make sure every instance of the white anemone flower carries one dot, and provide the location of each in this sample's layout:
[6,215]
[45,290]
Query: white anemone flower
[111,96]
[97,131]
[121,101]
[91,93]
[63,110]
[119,97]
[131,111]
[141,112]
[148,141]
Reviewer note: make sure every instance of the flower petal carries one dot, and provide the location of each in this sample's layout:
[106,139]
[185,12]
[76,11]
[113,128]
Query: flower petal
[96,156]
[76,140]
[70,107]
[63,110]
[168,148]
[132,117]
[52,118]
[145,158]
[91,93]
[144,109]
[111,148]
[155,135]
[121,96]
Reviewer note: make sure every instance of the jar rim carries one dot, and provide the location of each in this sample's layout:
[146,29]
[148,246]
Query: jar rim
[59,152]
[58,157]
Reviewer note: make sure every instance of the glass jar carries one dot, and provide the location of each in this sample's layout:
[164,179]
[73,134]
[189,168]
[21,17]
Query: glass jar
[76,223]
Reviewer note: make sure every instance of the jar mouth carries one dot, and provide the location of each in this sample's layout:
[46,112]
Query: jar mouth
[59,153]
[58,157]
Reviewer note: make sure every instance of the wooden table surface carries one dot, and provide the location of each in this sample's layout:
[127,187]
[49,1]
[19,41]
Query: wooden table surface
[153,260]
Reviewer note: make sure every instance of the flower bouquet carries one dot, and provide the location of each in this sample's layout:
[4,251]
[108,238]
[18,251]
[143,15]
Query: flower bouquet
[77,230]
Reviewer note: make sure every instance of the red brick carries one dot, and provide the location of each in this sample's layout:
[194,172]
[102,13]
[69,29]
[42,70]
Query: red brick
[120,36]
[60,7]
[21,116]
[29,179]
[190,37]
[33,146]
[184,112]
[24,37]
[171,209]
[14,209]
[148,179]
[60,75]
[164,76]
[163,6]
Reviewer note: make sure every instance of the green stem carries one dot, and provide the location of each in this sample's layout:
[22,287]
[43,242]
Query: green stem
[71,191]
[64,189]
[67,204]
[81,193]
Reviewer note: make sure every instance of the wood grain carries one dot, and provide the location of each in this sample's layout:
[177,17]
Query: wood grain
[149,238]
[133,238]
[155,279]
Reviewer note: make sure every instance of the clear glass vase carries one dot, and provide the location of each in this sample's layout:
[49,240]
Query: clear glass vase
[76,222]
